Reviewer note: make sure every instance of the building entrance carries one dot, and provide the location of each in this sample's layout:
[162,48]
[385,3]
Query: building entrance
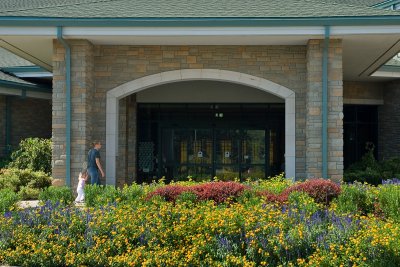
[206,140]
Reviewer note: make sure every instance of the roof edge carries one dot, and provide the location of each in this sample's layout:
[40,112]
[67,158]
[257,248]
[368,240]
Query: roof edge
[200,22]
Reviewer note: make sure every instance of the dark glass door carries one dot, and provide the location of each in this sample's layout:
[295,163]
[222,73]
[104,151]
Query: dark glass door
[229,141]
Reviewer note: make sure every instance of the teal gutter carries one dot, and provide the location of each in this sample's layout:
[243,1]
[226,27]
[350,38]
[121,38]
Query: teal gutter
[23,69]
[23,86]
[8,126]
[201,22]
[68,106]
[325,59]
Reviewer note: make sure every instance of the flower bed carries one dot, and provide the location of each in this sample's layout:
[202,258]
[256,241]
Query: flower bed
[244,229]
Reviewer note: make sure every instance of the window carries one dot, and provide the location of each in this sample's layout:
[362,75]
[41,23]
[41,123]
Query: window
[360,130]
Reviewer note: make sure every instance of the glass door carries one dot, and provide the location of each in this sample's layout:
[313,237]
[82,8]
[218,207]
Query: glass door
[187,152]
[227,154]
[253,156]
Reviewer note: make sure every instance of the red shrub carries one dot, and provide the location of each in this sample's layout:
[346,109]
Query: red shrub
[271,197]
[321,190]
[218,191]
[169,192]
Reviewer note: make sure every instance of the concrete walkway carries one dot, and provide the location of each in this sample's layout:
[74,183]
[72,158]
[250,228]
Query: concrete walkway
[24,204]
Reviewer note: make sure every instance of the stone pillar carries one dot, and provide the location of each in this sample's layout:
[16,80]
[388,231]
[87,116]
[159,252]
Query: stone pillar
[126,160]
[389,122]
[132,122]
[314,110]
[2,126]
[81,107]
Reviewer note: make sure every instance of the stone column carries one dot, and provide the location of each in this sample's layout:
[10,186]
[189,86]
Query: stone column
[131,139]
[314,110]
[126,160]
[81,107]
[389,122]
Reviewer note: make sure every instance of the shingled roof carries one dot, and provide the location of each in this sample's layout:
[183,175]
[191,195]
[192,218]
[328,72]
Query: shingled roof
[8,59]
[187,9]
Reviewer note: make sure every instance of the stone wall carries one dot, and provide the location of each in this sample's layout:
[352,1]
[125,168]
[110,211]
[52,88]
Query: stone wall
[389,122]
[100,68]
[29,118]
[314,110]
[82,95]
[285,65]
[363,93]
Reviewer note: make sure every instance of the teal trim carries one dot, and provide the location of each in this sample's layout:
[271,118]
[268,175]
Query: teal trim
[199,22]
[325,58]
[24,69]
[68,107]
[8,126]
[23,86]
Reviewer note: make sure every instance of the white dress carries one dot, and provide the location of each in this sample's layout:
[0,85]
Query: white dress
[80,189]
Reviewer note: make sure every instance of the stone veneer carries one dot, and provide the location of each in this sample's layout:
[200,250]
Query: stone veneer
[29,118]
[314,110]
[389,122]
[100,68]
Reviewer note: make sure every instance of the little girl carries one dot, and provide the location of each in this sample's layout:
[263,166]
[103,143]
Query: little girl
[81,185]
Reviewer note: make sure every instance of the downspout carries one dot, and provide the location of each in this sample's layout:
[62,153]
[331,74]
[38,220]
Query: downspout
[68,107]
[325,58]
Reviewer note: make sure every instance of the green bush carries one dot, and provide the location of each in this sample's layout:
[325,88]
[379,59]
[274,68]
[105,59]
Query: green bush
[369,170]
[132,193]
[4,162]
[34,154]
[96,196]
[187,197]
[355,198]
[16,179]
[389,201]
[8,200]
[369,176]
[29,193]
[62,195]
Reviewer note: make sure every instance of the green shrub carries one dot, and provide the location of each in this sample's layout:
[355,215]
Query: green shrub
[15,179]
[368,175]
[389,201]
[29,193]
[276,184]
[96,196]
[62,195]
[34,154]
[187,197]
[249,197]
[8,200]
[4,162]
[132,193]
[355,198]
[369,170]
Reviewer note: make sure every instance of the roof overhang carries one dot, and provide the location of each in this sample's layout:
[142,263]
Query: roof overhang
[368,42]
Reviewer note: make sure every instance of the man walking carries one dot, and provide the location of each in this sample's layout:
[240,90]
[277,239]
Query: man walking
[94,165]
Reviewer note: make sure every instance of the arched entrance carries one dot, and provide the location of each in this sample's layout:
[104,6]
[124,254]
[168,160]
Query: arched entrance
[114,95]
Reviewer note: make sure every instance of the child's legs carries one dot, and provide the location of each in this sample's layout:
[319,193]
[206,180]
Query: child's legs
[81,194]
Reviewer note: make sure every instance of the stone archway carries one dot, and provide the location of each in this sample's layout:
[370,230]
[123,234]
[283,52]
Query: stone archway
[114,95]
